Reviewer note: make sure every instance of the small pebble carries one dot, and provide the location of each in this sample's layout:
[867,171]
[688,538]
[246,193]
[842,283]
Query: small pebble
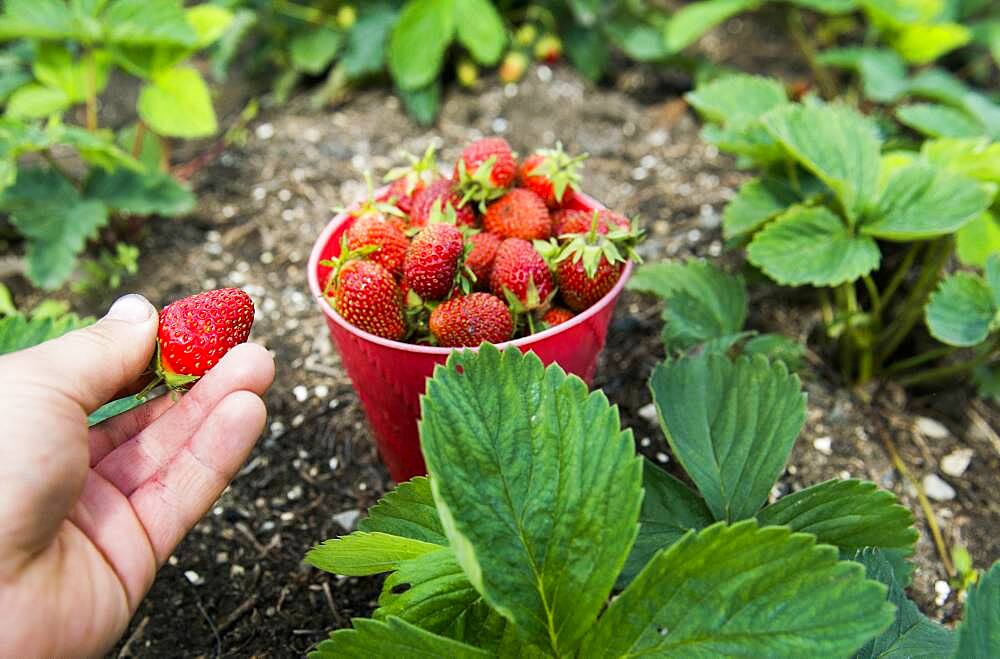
[194,577]
[287,516]
[648,412]
[662,457]
[301,393]
[334,463]
[237,570]
[645,442]
[823,445]
[295,493]
[321,391]
[265,131]
[347,519]
[222,557]
[932,429]
[942,590]
[937,489]
[956,462]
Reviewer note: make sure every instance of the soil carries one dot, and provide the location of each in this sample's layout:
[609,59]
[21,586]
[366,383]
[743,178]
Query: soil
[237,587]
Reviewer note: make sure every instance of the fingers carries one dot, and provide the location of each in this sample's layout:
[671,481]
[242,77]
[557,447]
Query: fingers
[171,502]
[138,452]
[89,365]
[112,433]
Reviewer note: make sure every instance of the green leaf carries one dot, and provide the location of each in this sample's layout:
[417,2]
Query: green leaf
[911,634]
[55,67]
[757,202]
[961,310]
[430,591]
[588,50]
[691,21]
[151,151]
[938,120]
[114,408]
[834,142]
[730,424]
[882,71]
[737,98]
[95,147]
[742,591]
[57,223]
[140,193]
[36,101]
[922,201]
[585,11]
[313,51]
[812,246]
[641,41]
[987,379]
[7,307]
[178,104]
[924,43]
[977,240]
[975,158]
[18,332]
[828,6]
[419,41]
[391,638]
[209,23]
[849,514]
[364,52]
[537,486]
[361,553]
[669,510]
[993,278]
[38,19]
[148,23]
[776,347]
[422,104]
[407,511]
[480,29]
[229,42]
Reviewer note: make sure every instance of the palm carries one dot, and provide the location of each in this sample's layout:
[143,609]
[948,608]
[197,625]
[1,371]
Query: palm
[86,536]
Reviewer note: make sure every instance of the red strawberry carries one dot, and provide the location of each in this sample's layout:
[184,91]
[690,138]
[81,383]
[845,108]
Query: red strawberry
[391,243]
[556,315]
[367,296]
[548,48]
[433,260]
[468,320]
[581,289]
[408,180]
[442,190]
[518,214]
[579,221]
[480,258]
[551,173]
[196,331]
[521,275]
[485,170]
[513,66]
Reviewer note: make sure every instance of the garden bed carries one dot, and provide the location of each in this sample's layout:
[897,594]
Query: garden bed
[237,587]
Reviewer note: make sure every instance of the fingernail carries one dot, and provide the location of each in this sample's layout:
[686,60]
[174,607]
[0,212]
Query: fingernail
[131,308]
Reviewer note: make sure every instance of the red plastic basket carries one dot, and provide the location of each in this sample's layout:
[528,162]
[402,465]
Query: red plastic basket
[390,376]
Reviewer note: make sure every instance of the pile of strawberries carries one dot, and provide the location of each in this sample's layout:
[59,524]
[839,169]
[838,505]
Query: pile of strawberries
[495,251]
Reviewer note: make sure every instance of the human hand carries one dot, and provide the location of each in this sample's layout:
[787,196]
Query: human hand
[88,516]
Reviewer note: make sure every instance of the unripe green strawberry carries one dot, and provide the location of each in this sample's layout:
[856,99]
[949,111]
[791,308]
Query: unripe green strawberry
[468,320]
[433,261]
[389,241]
[195,332]
[521,275]
[518,214]
[367,296]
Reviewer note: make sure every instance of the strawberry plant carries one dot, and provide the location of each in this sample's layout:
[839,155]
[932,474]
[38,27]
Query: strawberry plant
[705,309]
[871,230]
[536,510]
[80,178]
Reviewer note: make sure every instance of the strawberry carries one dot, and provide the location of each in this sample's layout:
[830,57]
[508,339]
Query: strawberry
[468,320]
[481,255]
[443,191]
[514,65]
[556,315]
[521,275]
[406,182]
[196,331]
[377,209]
[518,214]
[548,48]
[367,296]
[433,261]
[485,170]
[578,221]
[590,264]
[550,173]
[580,288]
[389,241]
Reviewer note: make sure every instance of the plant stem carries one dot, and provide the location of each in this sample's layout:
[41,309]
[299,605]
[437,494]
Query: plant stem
[951,370]
[925,504]
[827,86]
[793,176]
[875,298]
[898,277]
[164,153]
[917,360]
[140,134]
[91,90]
[913,306]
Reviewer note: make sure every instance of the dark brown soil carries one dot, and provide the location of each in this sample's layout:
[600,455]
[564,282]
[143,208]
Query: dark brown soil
[236,586]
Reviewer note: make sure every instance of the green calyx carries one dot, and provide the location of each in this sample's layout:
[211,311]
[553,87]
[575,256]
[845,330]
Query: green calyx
[370,206]
[561,169]
[174,381]
[337,264]
[419,170]
[478,186]
[618,245]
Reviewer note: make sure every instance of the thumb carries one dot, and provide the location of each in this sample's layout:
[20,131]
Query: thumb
[89,366]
